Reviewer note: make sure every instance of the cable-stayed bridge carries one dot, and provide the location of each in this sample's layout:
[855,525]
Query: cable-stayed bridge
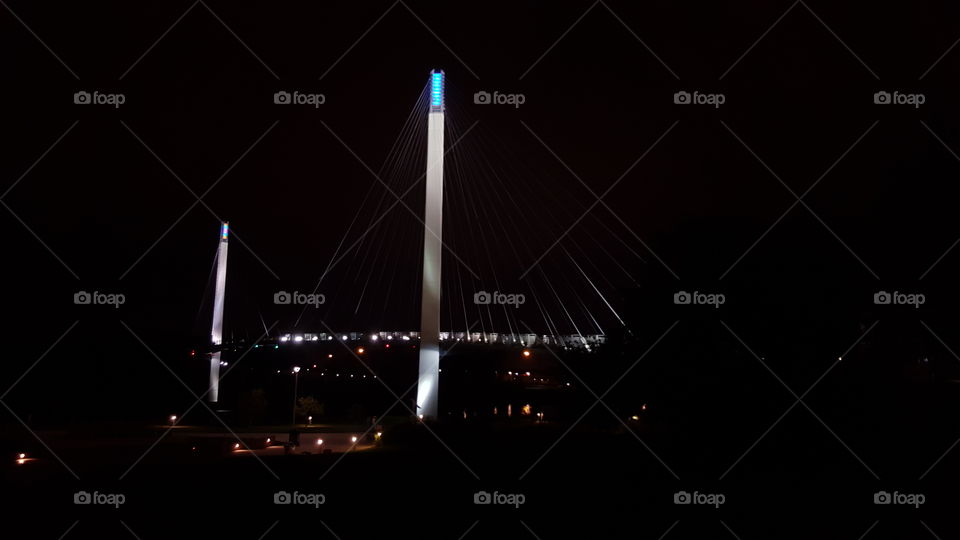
[495,207]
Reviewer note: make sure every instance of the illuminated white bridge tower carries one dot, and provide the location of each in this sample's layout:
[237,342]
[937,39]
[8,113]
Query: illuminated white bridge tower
[429,380]
[216,332]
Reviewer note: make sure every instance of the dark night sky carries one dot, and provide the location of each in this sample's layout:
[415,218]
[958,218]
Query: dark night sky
[199,99]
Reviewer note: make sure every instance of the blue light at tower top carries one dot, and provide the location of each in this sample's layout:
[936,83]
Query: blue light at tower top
[224,230]
[436,90]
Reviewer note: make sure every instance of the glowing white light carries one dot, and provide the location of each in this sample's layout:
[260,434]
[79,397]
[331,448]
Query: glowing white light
[296,369]
[405,338]
[319,442]
[353,439]
[298,339]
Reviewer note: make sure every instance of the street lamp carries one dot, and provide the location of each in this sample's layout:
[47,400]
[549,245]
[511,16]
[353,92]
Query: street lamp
[296,377]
